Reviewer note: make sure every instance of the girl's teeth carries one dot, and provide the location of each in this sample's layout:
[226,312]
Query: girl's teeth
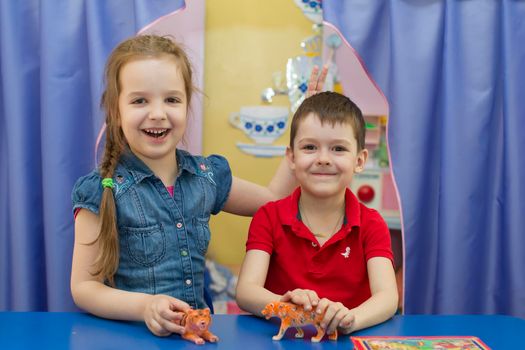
[155,132]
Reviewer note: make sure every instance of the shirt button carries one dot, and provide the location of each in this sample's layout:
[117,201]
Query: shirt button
[188,282]
[179,225]
[314,244]
[184,253]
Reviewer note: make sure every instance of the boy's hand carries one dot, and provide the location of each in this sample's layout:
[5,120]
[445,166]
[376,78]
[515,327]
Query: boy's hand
[163,314]
[308,299]
[316,83]
[337,316]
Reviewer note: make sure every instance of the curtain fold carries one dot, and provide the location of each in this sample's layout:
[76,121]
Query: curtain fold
[52,55]
[453,74]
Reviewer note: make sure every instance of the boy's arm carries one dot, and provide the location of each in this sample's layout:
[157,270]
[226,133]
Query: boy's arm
[90,294]
[251,294]
[384,300]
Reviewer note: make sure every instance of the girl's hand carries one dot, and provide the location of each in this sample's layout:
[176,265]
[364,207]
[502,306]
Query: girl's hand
[337,316]
[316,83]
[308,299]
[163,314]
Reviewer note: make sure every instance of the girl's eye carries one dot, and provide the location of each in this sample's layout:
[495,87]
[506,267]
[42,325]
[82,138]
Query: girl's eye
[139,101]
[173,100]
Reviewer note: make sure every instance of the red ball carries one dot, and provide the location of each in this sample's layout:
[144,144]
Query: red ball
[365,193]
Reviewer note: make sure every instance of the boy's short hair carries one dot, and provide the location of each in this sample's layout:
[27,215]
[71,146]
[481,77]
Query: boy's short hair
[334,108]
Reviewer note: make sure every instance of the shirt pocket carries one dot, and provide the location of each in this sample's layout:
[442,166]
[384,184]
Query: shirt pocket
[203,233]
[145,245]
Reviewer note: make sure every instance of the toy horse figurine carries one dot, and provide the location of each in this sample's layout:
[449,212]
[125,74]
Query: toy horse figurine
[292,315]
[196,324]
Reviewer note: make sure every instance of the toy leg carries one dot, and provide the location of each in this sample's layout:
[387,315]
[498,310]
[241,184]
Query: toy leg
[209,336]
[319,336]
[193,338]
[299,333]
[282,330]
[333,336]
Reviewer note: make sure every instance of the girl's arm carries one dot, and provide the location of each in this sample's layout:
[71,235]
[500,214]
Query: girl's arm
[90,294]
[384,300]
[251,294]
[246,197]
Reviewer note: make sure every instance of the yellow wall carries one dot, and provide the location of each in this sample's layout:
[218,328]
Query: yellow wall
[246,41]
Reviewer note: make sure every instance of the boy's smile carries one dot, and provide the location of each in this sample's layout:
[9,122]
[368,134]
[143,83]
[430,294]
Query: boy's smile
[325,157]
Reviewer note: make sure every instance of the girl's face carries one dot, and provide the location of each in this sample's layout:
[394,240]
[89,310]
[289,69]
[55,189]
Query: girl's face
[325,157]
[153,107]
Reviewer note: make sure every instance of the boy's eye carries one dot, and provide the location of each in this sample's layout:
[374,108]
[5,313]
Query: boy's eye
[139,101]
[339,149]
[308,147]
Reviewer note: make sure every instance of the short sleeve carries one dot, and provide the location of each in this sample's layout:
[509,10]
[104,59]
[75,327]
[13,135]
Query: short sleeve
[260,234]
[222,175]
[377,242]
[87,193]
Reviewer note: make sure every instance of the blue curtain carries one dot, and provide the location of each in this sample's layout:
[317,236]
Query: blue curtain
[454,74]
[51,61]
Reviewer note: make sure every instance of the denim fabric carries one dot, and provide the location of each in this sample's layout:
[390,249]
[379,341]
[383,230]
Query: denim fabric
[163,239]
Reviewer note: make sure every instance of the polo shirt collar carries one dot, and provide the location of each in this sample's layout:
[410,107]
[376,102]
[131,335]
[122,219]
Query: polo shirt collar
[289,211]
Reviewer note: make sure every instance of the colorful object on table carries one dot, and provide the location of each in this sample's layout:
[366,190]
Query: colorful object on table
[424,343]
[196,323]
[292,315]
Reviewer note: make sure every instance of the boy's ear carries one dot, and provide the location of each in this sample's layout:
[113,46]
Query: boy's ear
[290,158]
[360,161]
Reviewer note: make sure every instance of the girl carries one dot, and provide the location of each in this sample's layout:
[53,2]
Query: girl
[141,228]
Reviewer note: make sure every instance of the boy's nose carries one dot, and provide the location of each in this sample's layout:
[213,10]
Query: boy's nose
[323,159]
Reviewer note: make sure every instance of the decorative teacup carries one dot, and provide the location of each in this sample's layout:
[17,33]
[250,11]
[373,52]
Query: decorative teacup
[263,124]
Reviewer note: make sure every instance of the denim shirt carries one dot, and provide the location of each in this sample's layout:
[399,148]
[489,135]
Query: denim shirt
[163,239]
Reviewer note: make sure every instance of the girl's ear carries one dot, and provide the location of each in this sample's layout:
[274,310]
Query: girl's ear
[290,158]
[360,160]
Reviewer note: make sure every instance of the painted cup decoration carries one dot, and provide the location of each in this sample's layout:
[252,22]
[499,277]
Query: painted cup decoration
[263,124]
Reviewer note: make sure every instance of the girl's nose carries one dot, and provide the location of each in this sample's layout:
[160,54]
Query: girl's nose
[157,112]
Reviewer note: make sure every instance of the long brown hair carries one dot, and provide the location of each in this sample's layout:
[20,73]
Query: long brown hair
[143,46]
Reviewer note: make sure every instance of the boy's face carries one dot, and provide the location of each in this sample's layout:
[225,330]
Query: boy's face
[325,157]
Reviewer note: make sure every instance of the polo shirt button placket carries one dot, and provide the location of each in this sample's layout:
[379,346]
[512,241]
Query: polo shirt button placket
[314,244]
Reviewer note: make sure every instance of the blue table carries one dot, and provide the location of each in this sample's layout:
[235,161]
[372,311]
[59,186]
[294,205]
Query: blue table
[41,330]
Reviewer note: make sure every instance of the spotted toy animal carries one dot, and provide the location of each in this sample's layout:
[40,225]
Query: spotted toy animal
[196,323]
[292,315]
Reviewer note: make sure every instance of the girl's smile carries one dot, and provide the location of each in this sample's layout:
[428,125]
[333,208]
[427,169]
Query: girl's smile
[153,109]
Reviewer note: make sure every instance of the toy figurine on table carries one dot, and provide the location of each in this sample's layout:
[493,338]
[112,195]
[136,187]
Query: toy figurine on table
[196,323]
[292,315]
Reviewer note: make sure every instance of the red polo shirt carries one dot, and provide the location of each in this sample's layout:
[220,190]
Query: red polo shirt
[337,270]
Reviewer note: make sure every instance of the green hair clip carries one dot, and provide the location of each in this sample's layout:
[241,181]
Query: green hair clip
[107,182]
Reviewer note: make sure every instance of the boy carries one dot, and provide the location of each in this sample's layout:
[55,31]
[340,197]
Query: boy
[320,247]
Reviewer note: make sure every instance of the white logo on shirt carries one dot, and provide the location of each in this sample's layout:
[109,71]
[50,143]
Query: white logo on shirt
[346,253]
